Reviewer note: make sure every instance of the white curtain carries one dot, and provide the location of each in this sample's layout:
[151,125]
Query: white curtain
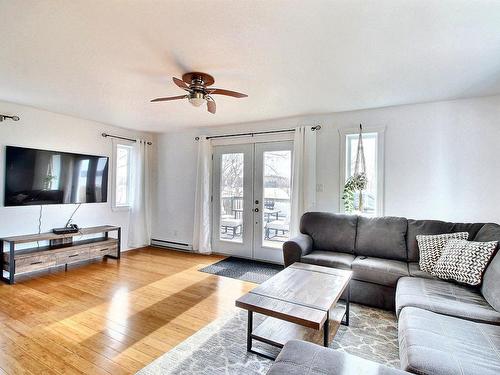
[303,175]
[140,213]
[202,204]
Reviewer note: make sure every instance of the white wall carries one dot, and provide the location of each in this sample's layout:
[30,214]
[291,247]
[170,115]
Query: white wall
[47,130]
[441,162]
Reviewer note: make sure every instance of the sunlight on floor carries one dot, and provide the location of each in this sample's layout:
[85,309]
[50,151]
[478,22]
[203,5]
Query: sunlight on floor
[118,310]
[119,317]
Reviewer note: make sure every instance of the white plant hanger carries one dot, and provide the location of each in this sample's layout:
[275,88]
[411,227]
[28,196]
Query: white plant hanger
[360,165]
[358,181]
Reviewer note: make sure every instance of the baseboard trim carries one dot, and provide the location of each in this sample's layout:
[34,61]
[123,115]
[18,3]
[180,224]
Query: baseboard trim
[171,244]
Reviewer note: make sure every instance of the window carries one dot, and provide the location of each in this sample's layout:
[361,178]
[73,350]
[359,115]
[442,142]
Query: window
[122,175]
[373,143]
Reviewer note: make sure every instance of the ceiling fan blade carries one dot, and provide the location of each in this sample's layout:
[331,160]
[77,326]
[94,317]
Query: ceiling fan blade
[169,98]
[180,83]
[234,94]
[211,107]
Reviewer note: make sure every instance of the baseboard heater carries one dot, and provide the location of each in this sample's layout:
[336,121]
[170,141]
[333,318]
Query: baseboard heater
[171,244]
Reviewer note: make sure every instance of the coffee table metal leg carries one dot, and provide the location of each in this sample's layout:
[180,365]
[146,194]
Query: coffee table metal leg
[326,330]
[347,302]
[249,330]
[258,351]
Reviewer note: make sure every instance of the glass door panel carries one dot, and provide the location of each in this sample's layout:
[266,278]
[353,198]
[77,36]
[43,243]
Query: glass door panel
[231,197]
[277,187]
[232,200]
[272,191]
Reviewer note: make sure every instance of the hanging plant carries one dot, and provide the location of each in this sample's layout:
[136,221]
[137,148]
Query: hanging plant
[358,181]
[354,184]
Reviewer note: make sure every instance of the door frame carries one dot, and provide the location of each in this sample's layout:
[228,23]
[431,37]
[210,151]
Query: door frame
[227,246]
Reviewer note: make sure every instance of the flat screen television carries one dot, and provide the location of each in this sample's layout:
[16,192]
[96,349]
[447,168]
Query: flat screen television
[38,177]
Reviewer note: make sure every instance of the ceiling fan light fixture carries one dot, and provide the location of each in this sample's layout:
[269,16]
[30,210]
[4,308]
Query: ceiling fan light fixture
[197,99]
[195,83]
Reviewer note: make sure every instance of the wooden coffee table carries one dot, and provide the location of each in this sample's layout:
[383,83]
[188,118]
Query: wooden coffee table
[301,303]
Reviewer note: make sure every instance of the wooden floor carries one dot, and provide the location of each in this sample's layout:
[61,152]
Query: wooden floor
[110,317]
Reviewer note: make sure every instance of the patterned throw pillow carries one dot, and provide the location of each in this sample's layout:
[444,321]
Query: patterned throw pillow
[464,261]
[431,246]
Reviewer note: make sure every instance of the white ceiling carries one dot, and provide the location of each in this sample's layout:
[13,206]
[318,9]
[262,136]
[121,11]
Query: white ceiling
[104,60]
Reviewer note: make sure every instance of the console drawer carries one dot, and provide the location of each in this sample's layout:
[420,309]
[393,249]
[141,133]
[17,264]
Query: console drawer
[100,251]
[72,256]
[35,263]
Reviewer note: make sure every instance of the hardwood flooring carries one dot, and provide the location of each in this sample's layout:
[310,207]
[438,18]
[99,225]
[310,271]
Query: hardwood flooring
[110,317]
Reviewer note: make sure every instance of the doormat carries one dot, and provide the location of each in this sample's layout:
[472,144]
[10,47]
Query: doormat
[243,269]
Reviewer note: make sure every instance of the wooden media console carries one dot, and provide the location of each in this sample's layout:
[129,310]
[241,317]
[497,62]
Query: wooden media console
[61,251]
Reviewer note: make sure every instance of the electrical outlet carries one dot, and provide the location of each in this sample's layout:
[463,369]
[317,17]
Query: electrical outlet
[320,188]
[175,233]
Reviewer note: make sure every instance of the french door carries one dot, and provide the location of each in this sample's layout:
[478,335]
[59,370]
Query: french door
[251,199]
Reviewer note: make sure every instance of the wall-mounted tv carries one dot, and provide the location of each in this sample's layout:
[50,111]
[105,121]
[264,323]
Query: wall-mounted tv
[36,177]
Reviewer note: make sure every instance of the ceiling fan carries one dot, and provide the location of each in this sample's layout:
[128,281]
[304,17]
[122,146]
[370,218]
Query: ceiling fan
[196,84]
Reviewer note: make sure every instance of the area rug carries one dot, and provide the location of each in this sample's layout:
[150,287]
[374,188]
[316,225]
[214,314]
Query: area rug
[243,269]
[220,347]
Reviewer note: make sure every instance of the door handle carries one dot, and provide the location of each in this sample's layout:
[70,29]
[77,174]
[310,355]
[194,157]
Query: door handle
[256,210]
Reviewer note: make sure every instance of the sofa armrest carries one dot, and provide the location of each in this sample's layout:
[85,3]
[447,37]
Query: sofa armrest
[296,248]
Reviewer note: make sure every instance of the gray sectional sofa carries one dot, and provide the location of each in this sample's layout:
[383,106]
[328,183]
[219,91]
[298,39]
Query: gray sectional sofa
[303,358]
[444,328]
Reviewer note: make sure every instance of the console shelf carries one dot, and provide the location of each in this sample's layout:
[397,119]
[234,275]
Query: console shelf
[62,250]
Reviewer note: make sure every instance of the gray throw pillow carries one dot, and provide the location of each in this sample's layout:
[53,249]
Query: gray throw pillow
[431,246]
[464,261]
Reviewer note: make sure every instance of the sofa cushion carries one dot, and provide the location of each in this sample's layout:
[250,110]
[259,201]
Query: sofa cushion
[329,259]
[382,237]
[488,232]
[418,227]
[370,294]
[431,343]
[491,283]
[332,232]
[491,286]
[415,271]
[445,298]
[378,271]
[300,357]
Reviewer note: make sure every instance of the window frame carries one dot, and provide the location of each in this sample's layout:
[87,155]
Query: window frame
[380,162]
[116,144]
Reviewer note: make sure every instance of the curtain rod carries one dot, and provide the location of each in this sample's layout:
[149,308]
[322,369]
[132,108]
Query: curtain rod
[313,128]
[105,135]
